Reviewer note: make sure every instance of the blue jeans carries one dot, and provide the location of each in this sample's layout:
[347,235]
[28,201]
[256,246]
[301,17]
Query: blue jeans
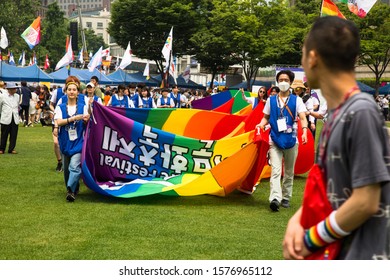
[72,171]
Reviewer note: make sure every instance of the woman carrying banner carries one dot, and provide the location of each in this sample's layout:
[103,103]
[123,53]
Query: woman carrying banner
[69,123]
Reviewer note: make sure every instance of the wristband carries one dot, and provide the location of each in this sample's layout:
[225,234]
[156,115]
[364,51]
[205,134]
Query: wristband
[305,127]
[67,120]
[325,232]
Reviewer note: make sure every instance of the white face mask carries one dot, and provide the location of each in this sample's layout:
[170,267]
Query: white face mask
[284,86]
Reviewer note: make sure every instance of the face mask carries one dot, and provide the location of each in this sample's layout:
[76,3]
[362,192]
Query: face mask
[284,86]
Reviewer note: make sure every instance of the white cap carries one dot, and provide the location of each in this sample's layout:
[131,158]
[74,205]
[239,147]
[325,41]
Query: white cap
[11,85]
[90,85]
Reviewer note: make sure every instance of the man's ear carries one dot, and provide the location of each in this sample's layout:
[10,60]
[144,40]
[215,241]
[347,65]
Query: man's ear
[313,59]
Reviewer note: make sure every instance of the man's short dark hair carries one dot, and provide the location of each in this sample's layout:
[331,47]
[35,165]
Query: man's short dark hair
[23,83]
[336,41]
[289,73]
[95,78]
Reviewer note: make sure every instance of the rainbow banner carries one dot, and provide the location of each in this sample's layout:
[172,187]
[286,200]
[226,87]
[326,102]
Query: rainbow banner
[328,8]
[216,100]
[32,35]
[201,124]
[125,158]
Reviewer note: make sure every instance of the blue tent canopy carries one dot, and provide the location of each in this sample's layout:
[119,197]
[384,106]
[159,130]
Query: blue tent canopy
[29,74]
[84,75]
[142,79]
[60,75]
[385,89]
[122,77]
[366,88]
[243,84]
[180,82]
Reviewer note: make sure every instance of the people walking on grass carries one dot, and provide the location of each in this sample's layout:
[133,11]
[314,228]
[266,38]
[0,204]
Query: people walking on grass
[70,119]
[352,168]
[9,118]
[282,112]
[25,96]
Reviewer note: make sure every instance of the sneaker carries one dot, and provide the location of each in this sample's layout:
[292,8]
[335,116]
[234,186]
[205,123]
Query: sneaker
[70,196]
[285,203]
[274,205]
[59,166]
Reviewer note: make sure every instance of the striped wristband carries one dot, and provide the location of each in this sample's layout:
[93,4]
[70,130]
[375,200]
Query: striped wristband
[324,233]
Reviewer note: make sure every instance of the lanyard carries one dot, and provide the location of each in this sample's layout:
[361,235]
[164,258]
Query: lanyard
[327,130]
[284,104]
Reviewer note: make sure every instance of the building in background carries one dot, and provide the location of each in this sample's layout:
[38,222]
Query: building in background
[70,6]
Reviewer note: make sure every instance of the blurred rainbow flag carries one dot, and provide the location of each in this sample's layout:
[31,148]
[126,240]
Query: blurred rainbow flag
[32,35]
[328,8]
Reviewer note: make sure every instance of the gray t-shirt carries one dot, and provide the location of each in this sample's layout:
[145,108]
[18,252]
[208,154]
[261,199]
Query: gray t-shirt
[358,154]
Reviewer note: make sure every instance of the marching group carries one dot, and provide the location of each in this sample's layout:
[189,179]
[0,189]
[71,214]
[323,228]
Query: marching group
[353,144]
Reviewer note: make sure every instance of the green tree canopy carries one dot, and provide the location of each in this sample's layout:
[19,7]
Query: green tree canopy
[146,24]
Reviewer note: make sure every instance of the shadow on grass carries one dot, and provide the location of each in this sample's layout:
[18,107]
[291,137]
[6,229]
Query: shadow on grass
[233,199]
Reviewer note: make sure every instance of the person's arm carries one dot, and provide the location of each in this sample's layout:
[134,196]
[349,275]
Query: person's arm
[264,121]
[356,210]
[302,117]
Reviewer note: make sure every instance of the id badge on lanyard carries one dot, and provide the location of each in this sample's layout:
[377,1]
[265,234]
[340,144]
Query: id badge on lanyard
[72,134]
[282,124]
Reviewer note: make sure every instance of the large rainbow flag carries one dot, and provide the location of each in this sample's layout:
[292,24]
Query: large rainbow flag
[125,158]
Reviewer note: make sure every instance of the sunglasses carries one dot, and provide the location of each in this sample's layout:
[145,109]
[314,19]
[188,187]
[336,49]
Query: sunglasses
[262,91]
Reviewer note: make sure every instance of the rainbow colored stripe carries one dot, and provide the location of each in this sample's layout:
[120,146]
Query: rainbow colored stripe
[32,35]
[328,8]
[124,158]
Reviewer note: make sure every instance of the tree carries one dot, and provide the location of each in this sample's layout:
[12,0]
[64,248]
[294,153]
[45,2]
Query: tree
[55,28]
[213,45]
[93,41]
[146,24]
[375,40]
[15,17]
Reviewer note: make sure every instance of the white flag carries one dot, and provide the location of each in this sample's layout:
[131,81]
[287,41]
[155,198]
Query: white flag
[106,52]
[67,58]
[81,57]
[117,62]
[3,39]
[167,49]
[146,71]
[22,59]
[126,59]
[96,60]
[186,74]
[172,70]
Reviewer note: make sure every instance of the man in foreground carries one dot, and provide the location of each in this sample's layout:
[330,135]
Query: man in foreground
[353,156]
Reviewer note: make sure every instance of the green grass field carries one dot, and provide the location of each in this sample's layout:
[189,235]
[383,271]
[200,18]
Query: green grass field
[37,223]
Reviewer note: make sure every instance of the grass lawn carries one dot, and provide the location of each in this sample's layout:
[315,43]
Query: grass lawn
[37,223]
